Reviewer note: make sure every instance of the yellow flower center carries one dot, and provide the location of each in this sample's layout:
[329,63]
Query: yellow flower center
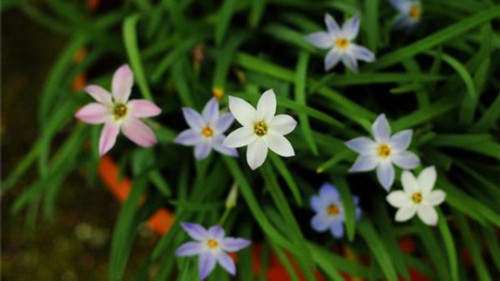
[342,43]
[119,111]
[333,210]
[384,151]
[212,243]
[260,128]
[415,12]
[207,132]
[416,197]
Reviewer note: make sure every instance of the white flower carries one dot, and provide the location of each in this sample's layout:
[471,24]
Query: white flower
[417,197]
[339,41]
[410,12]
[383,152]
[261,129]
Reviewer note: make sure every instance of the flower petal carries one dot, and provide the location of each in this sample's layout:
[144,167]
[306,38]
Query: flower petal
[224,122]
[279,144]
[143,108]
[435,197]
[365,163]
[189,249]
[266,107]
[404,21]
[320,222]
[99,94]
[332,26]
[399,199]
[427,179]
[93,113]
[321,40]
[227,263]
[401,140]
[402,6]
[362,53]
[123,79]
[316,203]
[409,182]
[332,58]
[427,214]
[216,232]
[202,149]
[362,145]
[193,118]
[231,244]
[244,113]
[108,136]
[240,137]
[350,28]
[385,174]
[217,145]
[337,229]
[256,153]
[329,192]
[211,112]
[283,124]
[189,137]
[195,231]
[381,129]
[350,62]
[405,159]
[206,264]
[405,213]
[138,132]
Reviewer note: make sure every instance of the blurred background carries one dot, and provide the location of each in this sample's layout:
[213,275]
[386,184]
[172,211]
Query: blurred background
[76,244]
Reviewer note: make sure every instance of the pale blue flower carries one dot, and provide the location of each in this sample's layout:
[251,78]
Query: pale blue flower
[207,130]
[330,211]
[382,153]
[410,12]
[339,42]
[211,246]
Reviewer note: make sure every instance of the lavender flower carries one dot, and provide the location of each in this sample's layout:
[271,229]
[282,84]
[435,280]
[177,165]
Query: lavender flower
[211,246]
[410,12]
[207,130]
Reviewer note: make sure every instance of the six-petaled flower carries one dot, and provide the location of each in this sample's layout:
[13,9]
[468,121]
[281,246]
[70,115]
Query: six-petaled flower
[382,153]
[417,197]
[410,12]
[261,129]
[339,42]
[207,130]
[211,246]
[330,211]
[118,113]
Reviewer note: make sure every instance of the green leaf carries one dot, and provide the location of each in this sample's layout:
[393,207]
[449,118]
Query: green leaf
[449,245]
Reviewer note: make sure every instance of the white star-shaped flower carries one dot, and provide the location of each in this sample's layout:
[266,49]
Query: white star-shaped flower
[410,13]
[261,129]
[382,153]
[339,41]
[417,197]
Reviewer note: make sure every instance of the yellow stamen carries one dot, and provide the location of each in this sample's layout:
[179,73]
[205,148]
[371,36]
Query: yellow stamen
[218,93]
[260,128]
[384,151]
[207,132]
[415,12]
[212,244]
[119,111]
[416,197]
[333,210]
[342,43]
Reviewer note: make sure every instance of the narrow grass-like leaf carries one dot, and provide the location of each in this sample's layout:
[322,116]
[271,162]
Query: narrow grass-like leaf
[449,245]
[224,19]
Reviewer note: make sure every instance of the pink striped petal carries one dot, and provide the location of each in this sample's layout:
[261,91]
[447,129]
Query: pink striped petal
[123,79]
[93,113]
[99,94]
[108,136]
[138,132]
[143,108]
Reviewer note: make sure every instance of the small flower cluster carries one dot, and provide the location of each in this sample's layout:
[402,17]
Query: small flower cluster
[262,130]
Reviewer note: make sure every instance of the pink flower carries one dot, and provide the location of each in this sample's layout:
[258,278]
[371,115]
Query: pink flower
[117,112]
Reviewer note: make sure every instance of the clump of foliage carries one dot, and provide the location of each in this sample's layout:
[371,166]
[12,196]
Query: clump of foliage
[440,79]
